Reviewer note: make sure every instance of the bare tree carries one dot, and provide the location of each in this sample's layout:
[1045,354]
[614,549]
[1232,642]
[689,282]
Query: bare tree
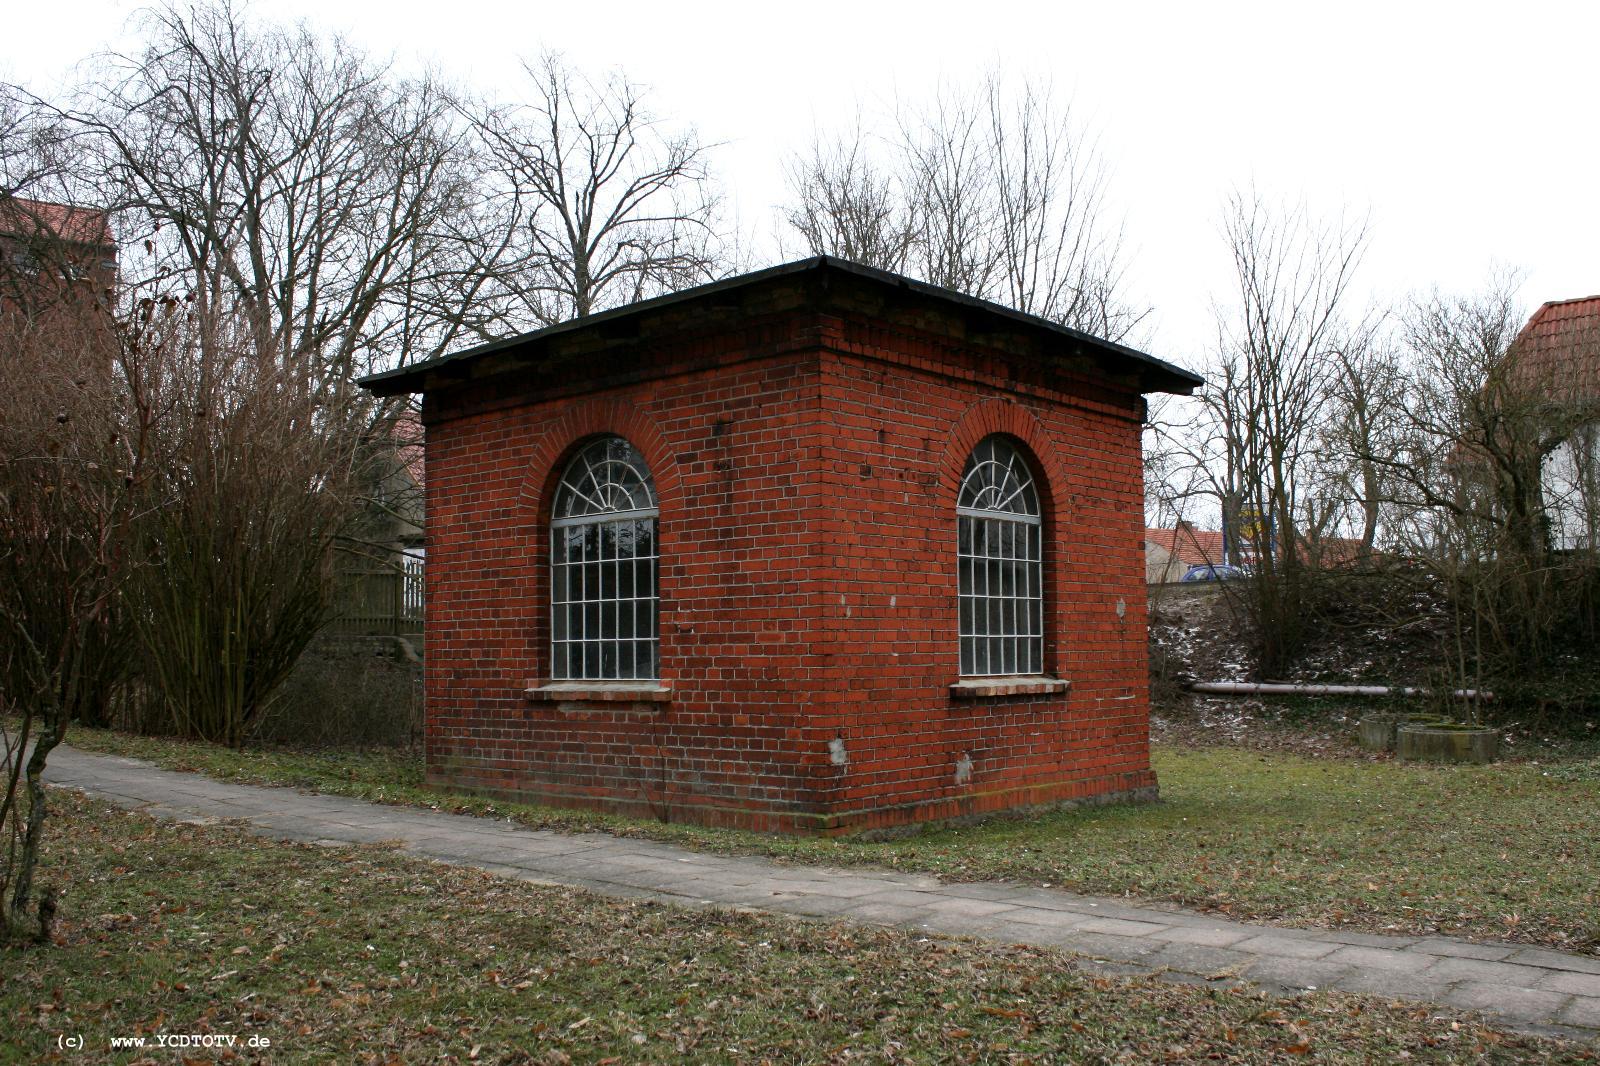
[1352,495]
[1058,255]
[604,203]
[947,166]
[272,172]
[996,192]
[844,205]
[1278,344]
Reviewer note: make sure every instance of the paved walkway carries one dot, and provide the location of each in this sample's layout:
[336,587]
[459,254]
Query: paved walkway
[1524,987]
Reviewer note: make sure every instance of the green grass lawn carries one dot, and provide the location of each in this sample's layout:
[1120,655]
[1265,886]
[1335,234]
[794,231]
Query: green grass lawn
[363,955]
[1506,852]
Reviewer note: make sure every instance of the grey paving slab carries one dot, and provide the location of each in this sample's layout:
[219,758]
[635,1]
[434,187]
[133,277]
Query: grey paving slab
[1483,970]
[1388,984]
[1204,935]
[1367,940]
[1121,926]
[1295,973]
[1201,959]
[1583,1011]
[964,907]
[813,906]
[1555,960]
[1462,949]
[1508,1001]
[1578,984]
[1534,989]
[1386,960]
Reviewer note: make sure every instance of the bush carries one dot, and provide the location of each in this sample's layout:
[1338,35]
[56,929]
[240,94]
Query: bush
[347,692]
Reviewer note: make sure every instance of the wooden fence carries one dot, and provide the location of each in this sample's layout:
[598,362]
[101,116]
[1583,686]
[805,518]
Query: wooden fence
[373,600]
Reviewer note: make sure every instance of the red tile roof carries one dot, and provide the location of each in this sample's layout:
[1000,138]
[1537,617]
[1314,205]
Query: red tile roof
[1559,348]
[21,217]
[1194,547]
[1189,546]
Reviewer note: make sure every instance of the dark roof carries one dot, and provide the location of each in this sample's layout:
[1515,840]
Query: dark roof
[1154,375]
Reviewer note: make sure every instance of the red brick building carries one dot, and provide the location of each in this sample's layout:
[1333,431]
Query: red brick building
[817,548]
[54,255]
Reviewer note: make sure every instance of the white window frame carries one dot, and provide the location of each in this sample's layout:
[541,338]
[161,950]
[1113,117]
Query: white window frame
[604,510]
[1000,564]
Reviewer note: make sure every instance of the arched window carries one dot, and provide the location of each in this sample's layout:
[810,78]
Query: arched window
[603,566]
[999,555]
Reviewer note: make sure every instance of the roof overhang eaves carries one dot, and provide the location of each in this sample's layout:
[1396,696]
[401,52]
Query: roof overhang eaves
[1155,375]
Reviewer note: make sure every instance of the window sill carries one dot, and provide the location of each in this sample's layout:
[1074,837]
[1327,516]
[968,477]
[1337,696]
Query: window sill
[599,692]
[972,688]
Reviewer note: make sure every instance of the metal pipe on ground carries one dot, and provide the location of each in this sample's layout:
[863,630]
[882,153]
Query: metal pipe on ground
[1277,688]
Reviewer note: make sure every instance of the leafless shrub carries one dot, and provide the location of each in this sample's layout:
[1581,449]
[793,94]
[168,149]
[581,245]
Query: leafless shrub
[345,692]
[255,464]
[1471,473]
[73,462]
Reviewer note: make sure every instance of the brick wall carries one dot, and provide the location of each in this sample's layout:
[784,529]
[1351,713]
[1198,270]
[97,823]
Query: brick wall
[807,468]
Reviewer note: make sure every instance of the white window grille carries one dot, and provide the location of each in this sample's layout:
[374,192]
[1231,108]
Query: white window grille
[999,554]
[603,567]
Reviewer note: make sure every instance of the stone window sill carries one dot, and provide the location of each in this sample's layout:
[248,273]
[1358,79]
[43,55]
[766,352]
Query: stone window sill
[972,688]
[600,693]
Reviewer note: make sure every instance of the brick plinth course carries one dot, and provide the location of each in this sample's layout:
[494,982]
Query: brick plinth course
[1531,989]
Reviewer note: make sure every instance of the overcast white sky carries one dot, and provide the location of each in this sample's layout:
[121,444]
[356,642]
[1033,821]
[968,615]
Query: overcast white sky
[1468,131]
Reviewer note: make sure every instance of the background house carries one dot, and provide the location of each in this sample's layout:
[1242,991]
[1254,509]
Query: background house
[54,254]
[1557,357]
[1168,553]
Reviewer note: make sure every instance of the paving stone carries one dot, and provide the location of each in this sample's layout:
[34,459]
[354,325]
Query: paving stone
[969,908]
[1556,960]
[1104,909]
[1209,936]
[885,913]
[1038,917]
[993,927]
[1105,946]
[1200,959]
[1366,940]
[1461,949]
[1385,960]
[1507,1000]
[990,890]
[1583,1011]
[1579,984]
[902,897]
[1498,973]
[1391,985]
[1287,947]
[1295,973]
[814,906]
[1121,926]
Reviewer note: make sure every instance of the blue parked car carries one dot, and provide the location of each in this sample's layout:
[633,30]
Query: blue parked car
[1213,572]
